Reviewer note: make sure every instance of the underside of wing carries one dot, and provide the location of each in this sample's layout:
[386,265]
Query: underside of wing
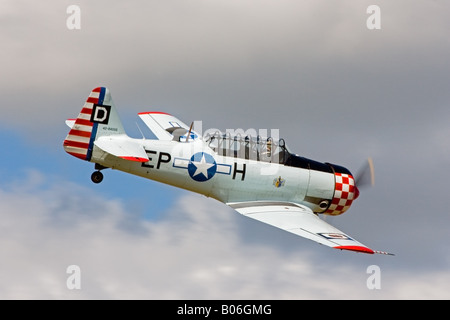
[299,220]
[167,127]
[122,147]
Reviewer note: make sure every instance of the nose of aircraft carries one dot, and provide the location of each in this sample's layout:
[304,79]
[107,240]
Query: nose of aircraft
[345,191]
[356,193]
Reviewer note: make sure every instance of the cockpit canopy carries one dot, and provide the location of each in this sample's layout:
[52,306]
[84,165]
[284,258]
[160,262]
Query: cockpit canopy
[250,148]
[261,149]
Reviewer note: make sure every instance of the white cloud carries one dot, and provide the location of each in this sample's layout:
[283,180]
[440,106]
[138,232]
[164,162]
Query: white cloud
[197,251]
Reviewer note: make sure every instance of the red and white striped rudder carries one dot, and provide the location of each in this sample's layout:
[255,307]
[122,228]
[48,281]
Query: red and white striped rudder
[98,117]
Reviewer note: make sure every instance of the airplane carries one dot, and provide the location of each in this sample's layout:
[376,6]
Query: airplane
[257,177]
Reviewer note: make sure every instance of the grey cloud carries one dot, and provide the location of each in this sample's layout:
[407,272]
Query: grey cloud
[222,57]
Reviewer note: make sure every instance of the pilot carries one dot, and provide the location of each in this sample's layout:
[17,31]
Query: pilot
[269,147]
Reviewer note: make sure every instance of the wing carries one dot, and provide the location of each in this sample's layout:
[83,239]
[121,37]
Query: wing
[166,127]
[299,220]
[122,147]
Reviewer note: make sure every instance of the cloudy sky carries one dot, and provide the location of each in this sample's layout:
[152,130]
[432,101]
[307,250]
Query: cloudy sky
[337,91]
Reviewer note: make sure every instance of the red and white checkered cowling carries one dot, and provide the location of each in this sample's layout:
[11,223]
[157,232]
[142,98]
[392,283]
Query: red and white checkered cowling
[345,191]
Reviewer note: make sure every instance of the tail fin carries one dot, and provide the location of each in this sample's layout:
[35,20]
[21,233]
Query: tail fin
[97,118]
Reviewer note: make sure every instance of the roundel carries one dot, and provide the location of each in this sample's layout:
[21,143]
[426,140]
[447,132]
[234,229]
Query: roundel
[202,167]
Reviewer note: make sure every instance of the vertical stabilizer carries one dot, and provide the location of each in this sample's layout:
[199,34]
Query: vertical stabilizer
[97,118]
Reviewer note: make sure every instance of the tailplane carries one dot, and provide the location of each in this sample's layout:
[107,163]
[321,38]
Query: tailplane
[97,118]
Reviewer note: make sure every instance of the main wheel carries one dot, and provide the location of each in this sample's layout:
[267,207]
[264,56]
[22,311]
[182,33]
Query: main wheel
[97,177]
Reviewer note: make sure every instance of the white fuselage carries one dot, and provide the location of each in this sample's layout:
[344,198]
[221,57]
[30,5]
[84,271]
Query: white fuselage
[227,179]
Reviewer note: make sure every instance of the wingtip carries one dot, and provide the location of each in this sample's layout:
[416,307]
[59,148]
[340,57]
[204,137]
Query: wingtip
[356,248]
[385,253]
[363,250]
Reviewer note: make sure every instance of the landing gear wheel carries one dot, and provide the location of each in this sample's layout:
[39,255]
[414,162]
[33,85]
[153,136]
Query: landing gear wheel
[97,177]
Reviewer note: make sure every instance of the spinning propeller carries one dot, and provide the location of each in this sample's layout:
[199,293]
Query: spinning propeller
[366,175]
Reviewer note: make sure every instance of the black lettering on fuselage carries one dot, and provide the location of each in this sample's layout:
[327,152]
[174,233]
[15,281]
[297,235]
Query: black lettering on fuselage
[239,171]
[163,157]
[149,153]
[161,160]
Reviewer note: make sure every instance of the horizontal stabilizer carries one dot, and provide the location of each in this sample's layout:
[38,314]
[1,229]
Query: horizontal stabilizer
[122,147]
[167,127]
[70,123]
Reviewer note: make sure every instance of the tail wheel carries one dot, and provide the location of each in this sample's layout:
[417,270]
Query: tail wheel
[97,177]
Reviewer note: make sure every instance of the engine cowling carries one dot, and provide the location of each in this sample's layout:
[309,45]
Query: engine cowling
[331,188]
[345,191]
